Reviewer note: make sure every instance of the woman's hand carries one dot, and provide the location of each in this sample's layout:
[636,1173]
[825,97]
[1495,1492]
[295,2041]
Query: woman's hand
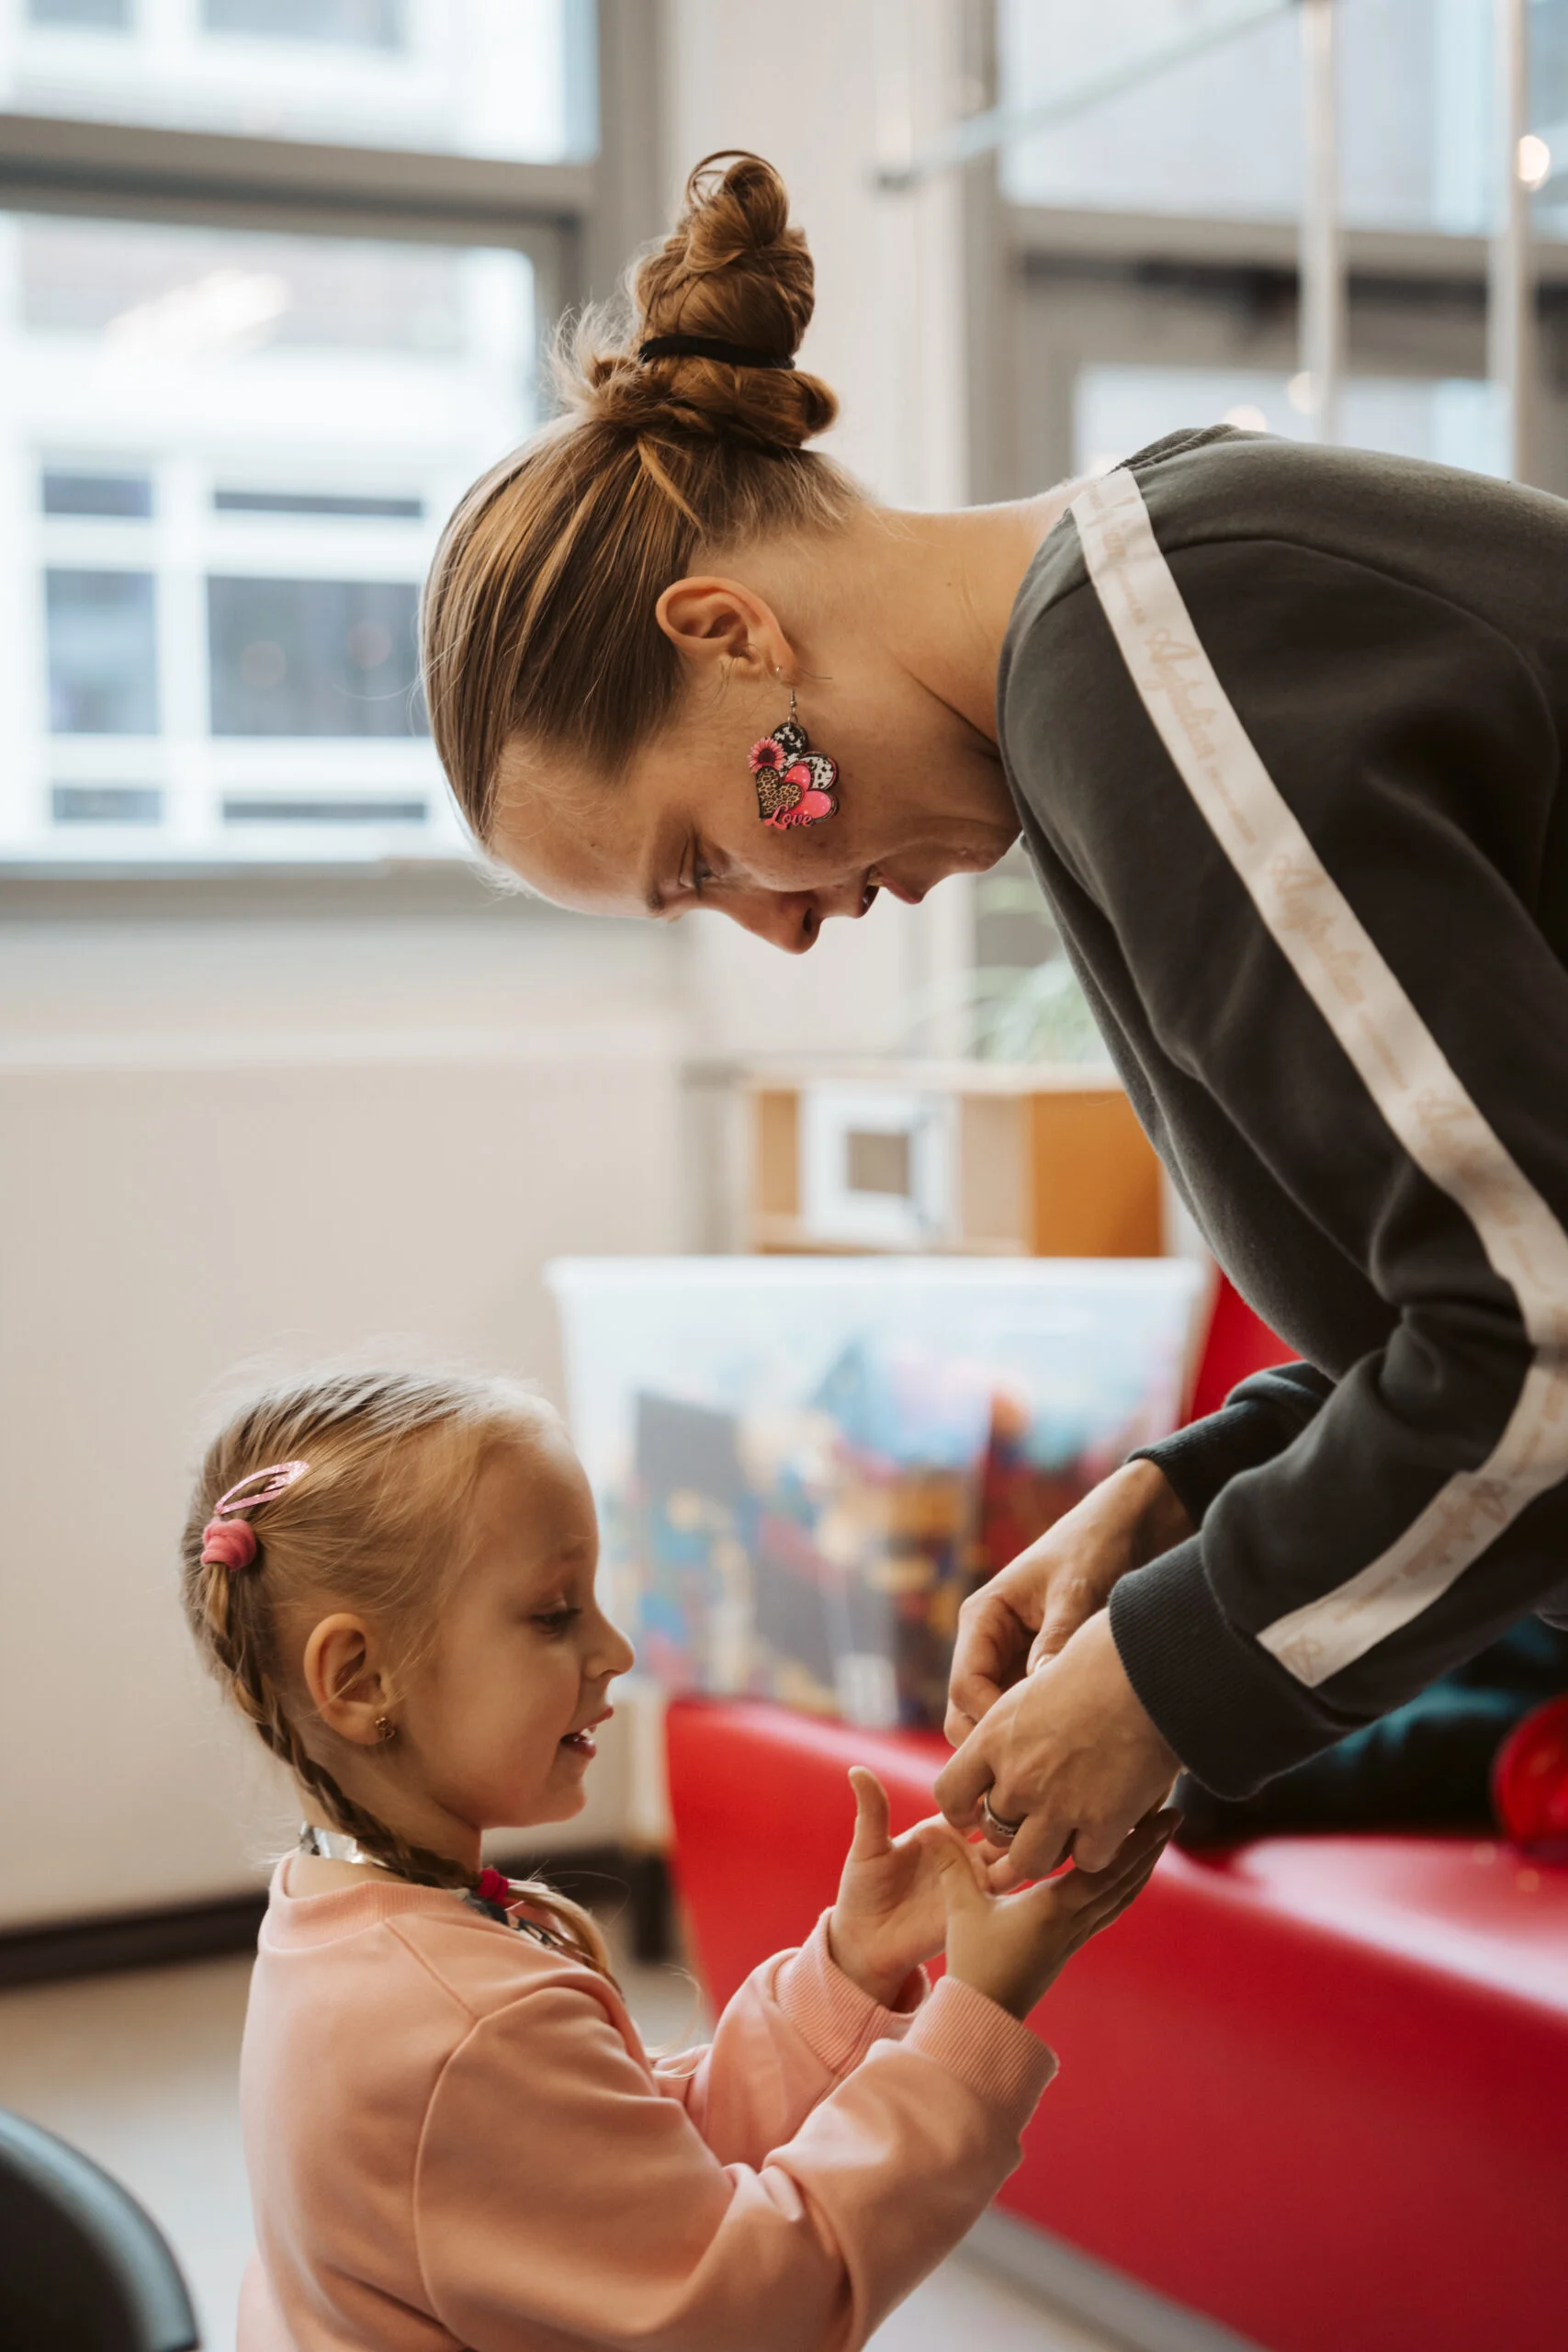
[892,1910]
[1028,1612]
[1071,1755]
[1013,1946]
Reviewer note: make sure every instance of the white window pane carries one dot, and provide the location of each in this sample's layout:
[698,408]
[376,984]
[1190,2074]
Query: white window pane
[1120,409]
[102,16]
[103,652]
[505,78]
[224,459]
[68,491]
[165,294]
[353,24]
[108,804]
[1220,134]
[313,657]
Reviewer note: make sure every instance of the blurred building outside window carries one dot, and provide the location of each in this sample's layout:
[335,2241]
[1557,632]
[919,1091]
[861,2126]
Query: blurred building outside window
[226,450]
[1121,407]
[504,78]
[1218,136]
[229,456]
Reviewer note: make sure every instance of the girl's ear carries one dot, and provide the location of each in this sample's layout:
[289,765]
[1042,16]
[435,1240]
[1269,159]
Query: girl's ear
[347,1686]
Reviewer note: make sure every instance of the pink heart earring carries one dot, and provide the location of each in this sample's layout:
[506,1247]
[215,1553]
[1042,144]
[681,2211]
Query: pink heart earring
[794,784]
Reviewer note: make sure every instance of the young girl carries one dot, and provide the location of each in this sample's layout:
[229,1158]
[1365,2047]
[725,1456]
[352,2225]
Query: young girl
[454,2135]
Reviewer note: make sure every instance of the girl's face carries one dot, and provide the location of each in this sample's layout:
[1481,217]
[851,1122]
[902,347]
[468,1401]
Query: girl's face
[497,1724]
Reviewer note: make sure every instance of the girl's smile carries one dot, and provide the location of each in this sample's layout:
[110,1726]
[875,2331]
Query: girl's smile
[582,1743]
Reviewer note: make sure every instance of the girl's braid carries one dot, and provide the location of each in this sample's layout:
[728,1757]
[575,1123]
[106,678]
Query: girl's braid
[240,1652]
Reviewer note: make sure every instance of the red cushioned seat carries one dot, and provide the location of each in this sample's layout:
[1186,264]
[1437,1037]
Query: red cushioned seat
[1317,2089]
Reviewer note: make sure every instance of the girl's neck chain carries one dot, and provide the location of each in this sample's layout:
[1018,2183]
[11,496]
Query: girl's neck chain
[485,1896]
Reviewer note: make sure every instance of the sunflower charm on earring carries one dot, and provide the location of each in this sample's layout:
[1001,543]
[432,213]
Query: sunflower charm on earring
[794,784]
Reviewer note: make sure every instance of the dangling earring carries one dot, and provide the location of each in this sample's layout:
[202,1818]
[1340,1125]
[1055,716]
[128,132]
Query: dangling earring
[794,784]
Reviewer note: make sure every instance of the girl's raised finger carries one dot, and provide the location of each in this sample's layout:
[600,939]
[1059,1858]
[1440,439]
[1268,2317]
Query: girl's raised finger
[873,1813]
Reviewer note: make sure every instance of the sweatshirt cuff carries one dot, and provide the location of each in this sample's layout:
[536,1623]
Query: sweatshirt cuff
[1206,1455]
[829,2011]
[1232,1713]
[999,2059]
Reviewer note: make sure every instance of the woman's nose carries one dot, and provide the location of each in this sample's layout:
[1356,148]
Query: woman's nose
[787,919]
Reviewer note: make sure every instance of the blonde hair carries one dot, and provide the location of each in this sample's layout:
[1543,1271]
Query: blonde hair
[380,1521]
[538,615]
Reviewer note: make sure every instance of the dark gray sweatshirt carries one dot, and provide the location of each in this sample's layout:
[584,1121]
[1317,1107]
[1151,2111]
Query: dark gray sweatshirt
[1285,728]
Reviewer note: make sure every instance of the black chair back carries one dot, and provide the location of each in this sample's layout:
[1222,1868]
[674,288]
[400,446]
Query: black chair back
[83,2268]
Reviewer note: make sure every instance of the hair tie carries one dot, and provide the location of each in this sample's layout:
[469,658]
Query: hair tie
[229,1542]
[707,346]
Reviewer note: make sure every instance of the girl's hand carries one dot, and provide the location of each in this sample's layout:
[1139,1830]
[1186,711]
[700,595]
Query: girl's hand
[892,1911]
[1012,1947]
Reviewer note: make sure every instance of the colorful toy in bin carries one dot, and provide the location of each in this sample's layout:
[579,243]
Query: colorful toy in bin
[803,1467]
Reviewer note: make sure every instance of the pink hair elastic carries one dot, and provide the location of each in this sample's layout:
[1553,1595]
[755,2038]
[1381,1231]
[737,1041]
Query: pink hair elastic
[229,1543]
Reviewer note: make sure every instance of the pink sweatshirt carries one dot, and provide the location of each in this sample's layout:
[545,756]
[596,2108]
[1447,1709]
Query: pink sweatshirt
[455,2138]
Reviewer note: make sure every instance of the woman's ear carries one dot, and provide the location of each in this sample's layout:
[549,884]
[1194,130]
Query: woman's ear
[709,619]
[347,1685]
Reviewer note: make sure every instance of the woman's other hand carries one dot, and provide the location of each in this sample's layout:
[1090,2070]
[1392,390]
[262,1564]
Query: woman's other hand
[1070,1755]
[1031,1609]
[892,1908]
[1013,1946]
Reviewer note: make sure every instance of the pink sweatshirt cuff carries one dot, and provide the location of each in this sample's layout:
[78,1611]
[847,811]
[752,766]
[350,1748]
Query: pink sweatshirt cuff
[833,2016]
[999,2059]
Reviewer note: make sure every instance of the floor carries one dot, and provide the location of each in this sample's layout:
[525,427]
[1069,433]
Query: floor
[139,2071]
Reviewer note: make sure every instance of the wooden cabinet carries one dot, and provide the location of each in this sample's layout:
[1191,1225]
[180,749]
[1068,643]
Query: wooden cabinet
[963,1157]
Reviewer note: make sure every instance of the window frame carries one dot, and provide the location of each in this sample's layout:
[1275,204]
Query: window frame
[577,222]
[1416,302]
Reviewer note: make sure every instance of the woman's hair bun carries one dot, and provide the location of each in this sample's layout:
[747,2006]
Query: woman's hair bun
[731,271]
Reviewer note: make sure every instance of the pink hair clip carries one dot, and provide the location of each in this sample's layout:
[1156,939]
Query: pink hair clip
[229,1543]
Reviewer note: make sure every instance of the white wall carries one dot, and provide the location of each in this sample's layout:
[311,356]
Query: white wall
[826,92]
[262,1141]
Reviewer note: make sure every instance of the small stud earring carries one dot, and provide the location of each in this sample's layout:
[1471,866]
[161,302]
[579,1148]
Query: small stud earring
[794,784]
[385,1729]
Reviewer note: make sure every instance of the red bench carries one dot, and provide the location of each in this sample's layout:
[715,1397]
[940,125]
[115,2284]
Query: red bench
[1316,2089]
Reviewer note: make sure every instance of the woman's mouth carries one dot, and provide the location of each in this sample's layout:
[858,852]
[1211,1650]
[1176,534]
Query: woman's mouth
[876,881]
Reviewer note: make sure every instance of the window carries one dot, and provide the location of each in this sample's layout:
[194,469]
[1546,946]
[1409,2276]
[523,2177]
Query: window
[129,496]
[246,376]
[1153,229]
[510,78]
[1218,132]
[1120,408]
[312,657]
[240,447]
[108,804]
[356,24]
[103,659]
[100,15]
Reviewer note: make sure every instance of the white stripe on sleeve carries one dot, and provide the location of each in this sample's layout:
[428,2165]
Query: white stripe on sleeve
[1398,1061]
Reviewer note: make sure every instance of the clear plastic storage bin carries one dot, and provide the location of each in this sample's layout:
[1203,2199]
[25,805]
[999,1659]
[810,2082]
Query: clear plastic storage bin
[803,1466]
